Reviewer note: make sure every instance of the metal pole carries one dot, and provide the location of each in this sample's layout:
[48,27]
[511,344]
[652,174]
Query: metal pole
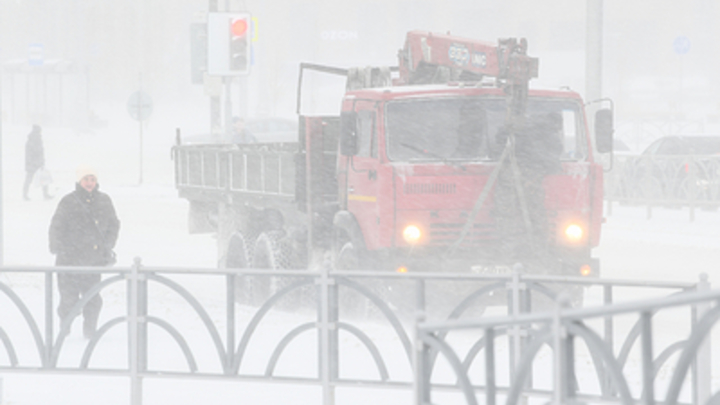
[648,375]
[324,339]
[215,117]
[140,120]
[490,366]
[135,379]
[230,279]
[2,227]
[49,319]
[560,372]
[608,334]
[421,358]
[228,109]
[703,360]
[593,56]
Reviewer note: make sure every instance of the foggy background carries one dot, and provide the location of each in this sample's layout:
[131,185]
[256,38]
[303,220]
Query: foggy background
[659,55]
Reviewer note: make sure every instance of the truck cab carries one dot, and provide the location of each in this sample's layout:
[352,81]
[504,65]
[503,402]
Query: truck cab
[420,158]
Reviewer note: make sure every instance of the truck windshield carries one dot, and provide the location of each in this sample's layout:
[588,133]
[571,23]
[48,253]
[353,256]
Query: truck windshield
[473,128]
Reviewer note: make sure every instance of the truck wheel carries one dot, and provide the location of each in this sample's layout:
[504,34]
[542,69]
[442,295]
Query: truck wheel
[237,254]
[236,257]
[266,252]
[263,257]
[347,258]
[351,304]
[273,251]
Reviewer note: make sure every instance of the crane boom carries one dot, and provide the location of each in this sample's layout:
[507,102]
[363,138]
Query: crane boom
[438,58]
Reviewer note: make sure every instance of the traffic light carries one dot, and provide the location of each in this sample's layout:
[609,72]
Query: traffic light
[239,44]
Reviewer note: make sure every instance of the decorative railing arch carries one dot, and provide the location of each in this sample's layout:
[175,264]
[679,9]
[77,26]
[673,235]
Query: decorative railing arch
[207,352]
[560,329]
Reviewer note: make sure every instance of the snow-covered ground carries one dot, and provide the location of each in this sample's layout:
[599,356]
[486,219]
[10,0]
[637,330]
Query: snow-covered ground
[153,227]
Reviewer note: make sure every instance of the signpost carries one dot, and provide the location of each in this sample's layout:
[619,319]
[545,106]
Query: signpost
[35,55]
[140,106]
[681,45]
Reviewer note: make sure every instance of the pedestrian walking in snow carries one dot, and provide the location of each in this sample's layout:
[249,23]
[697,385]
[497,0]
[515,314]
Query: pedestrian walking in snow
[83,232]
[240,132]
[34,160]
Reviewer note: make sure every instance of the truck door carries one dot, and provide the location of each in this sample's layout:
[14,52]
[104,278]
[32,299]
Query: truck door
[362,185]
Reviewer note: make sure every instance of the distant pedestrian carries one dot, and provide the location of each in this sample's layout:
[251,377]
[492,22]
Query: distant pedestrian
[83,232]
[240,132]
[34,160]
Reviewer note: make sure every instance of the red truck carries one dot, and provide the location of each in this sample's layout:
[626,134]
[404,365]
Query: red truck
[409,176]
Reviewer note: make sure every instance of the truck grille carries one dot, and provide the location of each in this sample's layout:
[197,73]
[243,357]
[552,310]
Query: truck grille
[430,188]
[448,233]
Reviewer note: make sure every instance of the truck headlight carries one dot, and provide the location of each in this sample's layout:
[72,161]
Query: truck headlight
[574,233]
[411,234]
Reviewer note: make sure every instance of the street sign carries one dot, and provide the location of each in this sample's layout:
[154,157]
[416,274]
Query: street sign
[35,55]
[140,106]
[681,45]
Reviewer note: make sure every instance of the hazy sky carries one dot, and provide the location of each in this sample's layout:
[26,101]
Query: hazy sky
[114,46]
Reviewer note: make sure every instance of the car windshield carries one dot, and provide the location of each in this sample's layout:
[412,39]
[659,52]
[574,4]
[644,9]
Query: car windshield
[466,128]
[684,145]
[703,146]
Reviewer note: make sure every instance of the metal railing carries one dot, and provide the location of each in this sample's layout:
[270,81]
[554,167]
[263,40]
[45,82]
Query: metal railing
[664,181]
[560,330]
[251,169]
[392,299]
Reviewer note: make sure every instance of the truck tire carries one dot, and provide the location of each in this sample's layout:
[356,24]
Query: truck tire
[237,252]
[273,251]
[263,257]
[236,257]
[352,304]
[346,258]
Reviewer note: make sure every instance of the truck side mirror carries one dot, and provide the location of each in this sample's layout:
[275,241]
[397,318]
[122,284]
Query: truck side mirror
[348,134]
[604,130]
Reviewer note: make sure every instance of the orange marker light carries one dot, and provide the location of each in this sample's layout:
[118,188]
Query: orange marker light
[585,270]
[402,269]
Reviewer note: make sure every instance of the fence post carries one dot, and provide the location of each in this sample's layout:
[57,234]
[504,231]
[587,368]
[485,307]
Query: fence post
[490,389]
[421,358]
[49,320]
[133,339]
[328,335]
[560,370]
[703,359]
[648,370]
[608,337]
[230,280]
[514,305]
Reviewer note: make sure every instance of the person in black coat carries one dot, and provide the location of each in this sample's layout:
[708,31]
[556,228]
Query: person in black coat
[83,232]
[34,160]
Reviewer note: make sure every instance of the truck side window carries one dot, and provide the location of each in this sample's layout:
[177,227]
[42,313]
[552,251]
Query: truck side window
[574,146]
[367,143]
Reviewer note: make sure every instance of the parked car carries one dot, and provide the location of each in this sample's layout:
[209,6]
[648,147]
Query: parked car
[678,170]
[273,129]
[684,146]
[620,146]
[265,130]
